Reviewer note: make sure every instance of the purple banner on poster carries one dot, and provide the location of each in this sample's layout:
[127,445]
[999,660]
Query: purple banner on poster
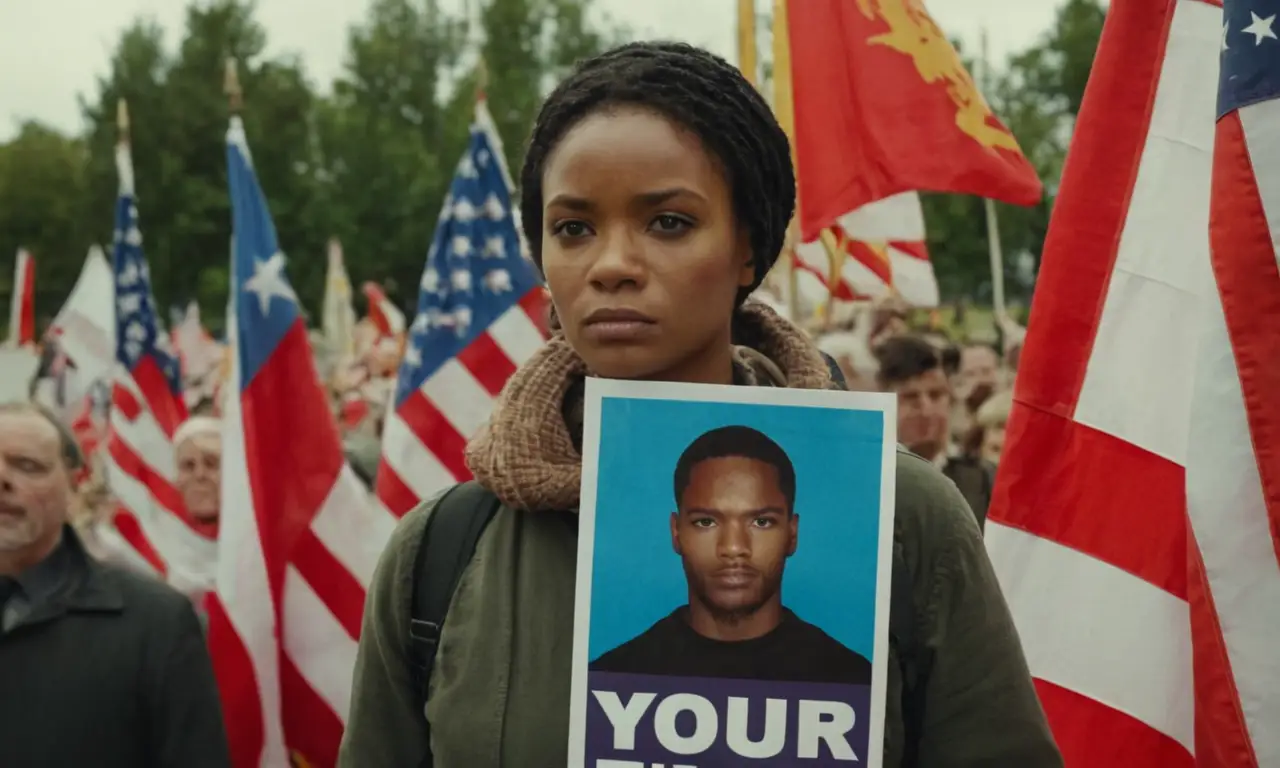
[648,721]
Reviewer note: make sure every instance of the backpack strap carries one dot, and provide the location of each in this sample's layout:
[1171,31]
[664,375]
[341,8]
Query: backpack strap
[447,546]
[837,375]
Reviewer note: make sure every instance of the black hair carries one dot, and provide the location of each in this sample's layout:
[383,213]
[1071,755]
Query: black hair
[905,357]
[700,91]
[736,441]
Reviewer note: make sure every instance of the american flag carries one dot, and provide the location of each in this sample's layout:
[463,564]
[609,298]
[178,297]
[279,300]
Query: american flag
[1136,519]
[299,538]
[478,318]
[146,409]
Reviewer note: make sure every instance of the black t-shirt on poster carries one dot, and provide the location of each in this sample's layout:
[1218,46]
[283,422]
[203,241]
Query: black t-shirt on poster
[795,651]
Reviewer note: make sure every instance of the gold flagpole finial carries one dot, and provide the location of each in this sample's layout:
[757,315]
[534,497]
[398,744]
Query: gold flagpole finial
[231,85]
[122,118]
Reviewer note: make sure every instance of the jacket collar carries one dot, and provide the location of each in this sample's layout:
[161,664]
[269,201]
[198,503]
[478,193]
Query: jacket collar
[83,585]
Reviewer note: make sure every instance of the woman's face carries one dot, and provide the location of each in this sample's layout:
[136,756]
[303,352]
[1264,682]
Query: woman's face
[640,248]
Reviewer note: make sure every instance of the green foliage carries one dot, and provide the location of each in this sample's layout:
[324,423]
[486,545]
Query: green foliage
[1037,94]
[368,157]
[42,183]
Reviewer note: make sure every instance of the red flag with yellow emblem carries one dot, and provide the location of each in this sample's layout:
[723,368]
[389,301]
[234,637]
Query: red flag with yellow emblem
[882,105]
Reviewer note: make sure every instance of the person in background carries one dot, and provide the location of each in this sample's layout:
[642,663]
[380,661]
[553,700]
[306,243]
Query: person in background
[850,351]
[98,666]
[986,438]
[979,375]
[656,194]
[912,368]
[980,369]
[197,453]
[888,319]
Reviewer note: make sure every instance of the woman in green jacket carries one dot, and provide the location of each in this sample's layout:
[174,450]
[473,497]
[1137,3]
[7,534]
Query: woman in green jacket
[656,194]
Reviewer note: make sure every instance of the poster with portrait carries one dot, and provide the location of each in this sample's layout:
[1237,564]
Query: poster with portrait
[733,577]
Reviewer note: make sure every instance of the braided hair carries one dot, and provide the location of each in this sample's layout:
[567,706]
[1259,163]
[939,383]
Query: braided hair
[703,93]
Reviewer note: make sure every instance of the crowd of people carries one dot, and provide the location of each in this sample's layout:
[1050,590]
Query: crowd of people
[642,117]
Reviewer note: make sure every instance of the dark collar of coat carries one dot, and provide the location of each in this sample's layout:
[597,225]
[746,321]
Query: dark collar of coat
[84,585]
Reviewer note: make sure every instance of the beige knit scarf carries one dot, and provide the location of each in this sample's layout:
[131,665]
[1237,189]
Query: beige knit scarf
[529,453]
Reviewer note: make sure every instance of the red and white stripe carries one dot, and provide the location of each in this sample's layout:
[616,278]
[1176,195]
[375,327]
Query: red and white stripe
[299,543]
[384,315]
[151,526]
[22,303]
[290,590]
[879,251]
[423,440]
[1134,520]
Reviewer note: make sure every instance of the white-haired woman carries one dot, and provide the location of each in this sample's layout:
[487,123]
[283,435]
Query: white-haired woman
[197,449]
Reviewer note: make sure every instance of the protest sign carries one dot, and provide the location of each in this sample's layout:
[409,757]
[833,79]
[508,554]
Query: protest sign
[733,577]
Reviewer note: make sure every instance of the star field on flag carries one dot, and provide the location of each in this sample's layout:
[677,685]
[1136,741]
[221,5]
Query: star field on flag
[475,271]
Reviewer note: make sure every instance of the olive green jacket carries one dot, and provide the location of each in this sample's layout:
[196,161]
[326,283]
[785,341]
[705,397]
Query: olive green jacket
[499,694]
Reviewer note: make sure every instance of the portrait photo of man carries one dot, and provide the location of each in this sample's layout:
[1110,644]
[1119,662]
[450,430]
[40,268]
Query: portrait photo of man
[734,527]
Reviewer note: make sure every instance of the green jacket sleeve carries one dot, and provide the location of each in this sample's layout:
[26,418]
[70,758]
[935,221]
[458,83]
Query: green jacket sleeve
[385,727]
[980,707]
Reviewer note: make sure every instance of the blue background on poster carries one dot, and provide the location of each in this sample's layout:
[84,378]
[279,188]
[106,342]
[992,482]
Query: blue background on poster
[830,581]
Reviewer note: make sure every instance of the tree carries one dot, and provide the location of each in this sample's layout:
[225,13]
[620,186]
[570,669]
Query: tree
[382,137]
[399,117]
[179,118]
[528,46]
[1037,94]
[42,188]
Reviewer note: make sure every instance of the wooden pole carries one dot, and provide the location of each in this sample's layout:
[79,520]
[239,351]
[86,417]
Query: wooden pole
[748,60]
[482,79]
[231,86]
[994,249]
[784,110]
[122,119]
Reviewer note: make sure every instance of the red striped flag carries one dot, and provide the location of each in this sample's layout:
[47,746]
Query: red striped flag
[1134,524]
[384,314]
[479,316]
[298,537]
[151,521]
[874,252]
[22,302]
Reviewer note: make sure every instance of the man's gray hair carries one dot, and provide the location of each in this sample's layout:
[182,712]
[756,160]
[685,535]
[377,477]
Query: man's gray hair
[68,445]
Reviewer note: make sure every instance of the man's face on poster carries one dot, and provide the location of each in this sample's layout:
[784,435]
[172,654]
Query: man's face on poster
[734,533]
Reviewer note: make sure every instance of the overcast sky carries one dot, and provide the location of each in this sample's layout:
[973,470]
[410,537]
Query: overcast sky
[52,50]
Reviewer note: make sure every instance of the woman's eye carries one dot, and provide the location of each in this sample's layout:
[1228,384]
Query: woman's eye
[670,223]
[570,229]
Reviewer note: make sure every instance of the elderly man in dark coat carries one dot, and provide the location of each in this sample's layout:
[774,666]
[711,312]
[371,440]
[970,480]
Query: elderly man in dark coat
[98,666]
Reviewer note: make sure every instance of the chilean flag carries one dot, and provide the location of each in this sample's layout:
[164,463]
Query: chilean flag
[297,541]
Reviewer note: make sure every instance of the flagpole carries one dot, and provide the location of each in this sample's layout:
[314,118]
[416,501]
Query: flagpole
[994,249]
[122,120]
[482,79]
[784,109]
[747,55]
[231,86]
